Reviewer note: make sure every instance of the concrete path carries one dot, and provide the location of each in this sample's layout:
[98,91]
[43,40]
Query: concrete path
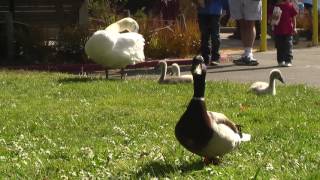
[305,69]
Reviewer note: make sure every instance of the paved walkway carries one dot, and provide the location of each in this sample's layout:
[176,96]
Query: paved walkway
[305,69]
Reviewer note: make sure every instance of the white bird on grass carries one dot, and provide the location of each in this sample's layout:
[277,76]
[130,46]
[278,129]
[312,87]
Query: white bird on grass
[117,46]
[176,71]
[260,88]
[164,79]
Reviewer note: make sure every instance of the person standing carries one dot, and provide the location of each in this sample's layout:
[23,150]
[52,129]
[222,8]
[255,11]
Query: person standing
[284,30]
[246,12]
[209,12]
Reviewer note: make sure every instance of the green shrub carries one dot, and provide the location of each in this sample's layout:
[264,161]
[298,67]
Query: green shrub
[36,46]
[32,46]
[70,45]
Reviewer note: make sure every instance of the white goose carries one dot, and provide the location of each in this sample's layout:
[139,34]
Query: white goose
[176,71]
[115,48]
[267,88]
[164,79]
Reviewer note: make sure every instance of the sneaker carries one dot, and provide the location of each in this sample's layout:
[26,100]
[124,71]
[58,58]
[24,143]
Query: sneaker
[288,64]
[246,61]
[282,64]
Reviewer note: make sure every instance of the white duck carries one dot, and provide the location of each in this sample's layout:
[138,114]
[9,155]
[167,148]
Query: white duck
[164,79]
[176,71]
[208,134]
[115,48]
[267,88]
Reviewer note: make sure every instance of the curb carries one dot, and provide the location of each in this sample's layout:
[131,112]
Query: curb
[89,68]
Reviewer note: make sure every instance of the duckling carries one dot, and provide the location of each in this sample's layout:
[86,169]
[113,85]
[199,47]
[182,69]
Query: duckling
[260,88]
[207,134]
[170,79]
[176,71]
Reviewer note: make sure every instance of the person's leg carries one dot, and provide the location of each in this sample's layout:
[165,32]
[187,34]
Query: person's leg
[279,46]
[215,38]
[205,35]
[248,35]
[258,28]
[287,49]
[251,12]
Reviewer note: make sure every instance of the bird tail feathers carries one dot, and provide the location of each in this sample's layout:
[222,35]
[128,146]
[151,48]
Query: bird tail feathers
[245,137]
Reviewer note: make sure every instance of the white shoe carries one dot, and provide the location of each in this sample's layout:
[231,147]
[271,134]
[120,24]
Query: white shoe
[289,64]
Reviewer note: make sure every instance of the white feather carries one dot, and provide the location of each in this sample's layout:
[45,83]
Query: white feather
[164,79]
[224,139]
[113,49]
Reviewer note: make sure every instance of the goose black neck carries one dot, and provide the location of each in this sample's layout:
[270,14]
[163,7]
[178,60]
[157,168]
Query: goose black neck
[199,85]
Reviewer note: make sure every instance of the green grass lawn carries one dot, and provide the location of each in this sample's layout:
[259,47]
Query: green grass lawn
[61,126]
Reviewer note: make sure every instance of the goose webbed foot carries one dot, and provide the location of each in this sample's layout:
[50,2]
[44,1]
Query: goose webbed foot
[213,160]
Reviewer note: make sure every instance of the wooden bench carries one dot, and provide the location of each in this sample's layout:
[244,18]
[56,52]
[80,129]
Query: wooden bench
[50,15]
[45,12]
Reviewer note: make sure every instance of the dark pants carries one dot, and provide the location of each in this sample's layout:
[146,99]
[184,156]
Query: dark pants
[209,26]
[284,46]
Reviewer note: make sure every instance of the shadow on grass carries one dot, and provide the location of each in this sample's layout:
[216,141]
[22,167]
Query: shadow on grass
[113,76]
[158,169]
[246,68]
[221,68]
[83,79]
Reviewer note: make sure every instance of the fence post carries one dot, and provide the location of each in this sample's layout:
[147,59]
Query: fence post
[315,23]
[263,42]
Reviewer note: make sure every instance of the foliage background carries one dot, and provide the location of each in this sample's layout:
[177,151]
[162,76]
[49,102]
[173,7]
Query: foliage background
[178,39]
[33,44]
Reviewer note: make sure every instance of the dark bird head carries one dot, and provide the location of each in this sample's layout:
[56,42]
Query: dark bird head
[276,74]
[198,71]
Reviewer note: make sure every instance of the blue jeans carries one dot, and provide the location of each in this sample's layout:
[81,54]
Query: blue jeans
[284,45]
[209,26]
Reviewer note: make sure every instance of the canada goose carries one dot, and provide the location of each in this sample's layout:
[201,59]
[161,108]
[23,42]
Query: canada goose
[207,134]
[164,79]
[267,88]
[113,49]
